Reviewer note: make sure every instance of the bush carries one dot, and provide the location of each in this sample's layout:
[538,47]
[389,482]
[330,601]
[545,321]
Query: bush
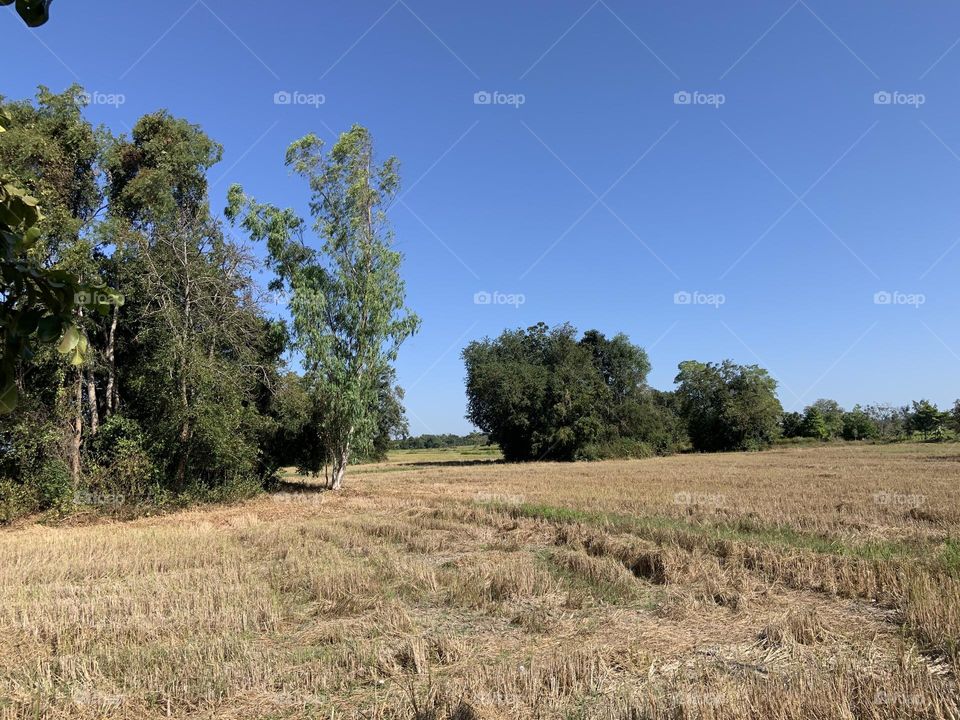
[33,475]
[119,464]
[615,449]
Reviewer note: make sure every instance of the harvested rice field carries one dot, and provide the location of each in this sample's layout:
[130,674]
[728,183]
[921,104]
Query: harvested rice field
[809,582]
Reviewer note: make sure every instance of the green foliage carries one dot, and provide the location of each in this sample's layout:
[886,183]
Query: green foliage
[433,442]
[349,317]
[33,477]
[541,394]
[197,348]
[925,419]
[791,425]
[814,424]
[50,151]
[858,425]
[120,463]
[173,394]
[832,415]
[33,12]
[890,421]
[728,406]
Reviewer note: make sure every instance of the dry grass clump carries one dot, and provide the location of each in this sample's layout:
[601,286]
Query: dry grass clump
[494,578]
[801,627]
[803,583]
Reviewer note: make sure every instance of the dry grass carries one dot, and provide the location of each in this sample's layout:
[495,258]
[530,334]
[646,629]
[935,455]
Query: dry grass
[820,582]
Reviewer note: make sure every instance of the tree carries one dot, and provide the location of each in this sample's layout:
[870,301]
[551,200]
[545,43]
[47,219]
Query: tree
[791,425]
[955,416]
[924,418]
[53,151]
[347,299]
[541,394]
[832,415]
[34,12]
[197,348]
[857,425]
[535,392]
[890,421]
[814,424]
[728,406]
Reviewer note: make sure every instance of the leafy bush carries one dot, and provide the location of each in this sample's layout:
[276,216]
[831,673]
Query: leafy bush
[119,463]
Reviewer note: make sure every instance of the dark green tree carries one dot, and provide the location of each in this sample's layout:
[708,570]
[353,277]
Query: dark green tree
[728,406]
[925,418]
[857,425]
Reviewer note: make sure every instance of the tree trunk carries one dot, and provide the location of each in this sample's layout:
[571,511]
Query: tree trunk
[186,432]
[340,461]
[92,401]
[109,394]
[76,435]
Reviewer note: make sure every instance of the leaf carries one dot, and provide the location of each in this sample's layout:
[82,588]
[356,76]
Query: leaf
[49,328]
[30,238]
[28,320]
[34,12]
[69,340]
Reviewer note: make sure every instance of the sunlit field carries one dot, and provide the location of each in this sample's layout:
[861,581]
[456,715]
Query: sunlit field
[819,582]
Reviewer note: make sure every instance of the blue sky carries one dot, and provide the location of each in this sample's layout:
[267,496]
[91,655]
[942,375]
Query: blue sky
[714,179]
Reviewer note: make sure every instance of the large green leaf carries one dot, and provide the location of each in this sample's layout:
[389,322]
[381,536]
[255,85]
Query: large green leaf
[70,339]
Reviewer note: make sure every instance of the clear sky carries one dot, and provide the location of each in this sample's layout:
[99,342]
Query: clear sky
[778,190]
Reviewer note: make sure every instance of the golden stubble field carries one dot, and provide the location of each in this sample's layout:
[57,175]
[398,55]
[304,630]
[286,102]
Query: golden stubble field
[818,582]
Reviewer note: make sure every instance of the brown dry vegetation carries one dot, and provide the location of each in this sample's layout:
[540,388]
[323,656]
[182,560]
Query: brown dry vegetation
[798,583]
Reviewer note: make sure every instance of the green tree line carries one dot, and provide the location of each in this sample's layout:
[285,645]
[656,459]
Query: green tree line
[138,360]
[546,393]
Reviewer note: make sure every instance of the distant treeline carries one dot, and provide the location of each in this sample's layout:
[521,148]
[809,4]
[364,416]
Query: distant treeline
[827,420]
[431,442]
[546,394]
